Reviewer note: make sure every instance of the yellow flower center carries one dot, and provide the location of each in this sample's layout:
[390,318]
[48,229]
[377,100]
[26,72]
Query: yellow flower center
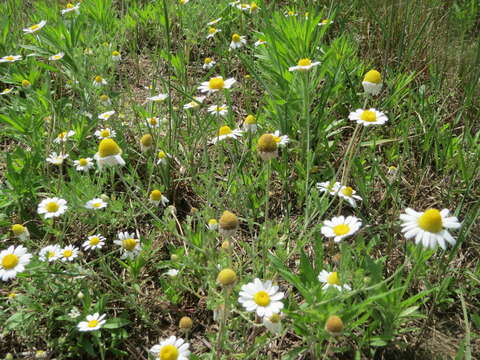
[105,133]
[93,323]
[332,279]
[368,116]
[34,27]
[324,21]
[347,191]
[153,121]
[69,6]
[10,58]
[104,97]
[108,147]
[98,79]
[129,244]
[26,83]
[50,254]
[224,130]
[228,221]
[236,38]
[212,30]
[162,154]
[212,222]
[291,13]
[216,83]
[52,207]
[262,298]
[146,140]
[341,229]
[83,162]
[431,221]
[250,120]
[253,6]
[10,261]
[168,352]
[18,229]
[67,253]
[267,143]
[97,204]
[94,241]
[62,135]
[156,195]
[115,53]
[277,139]
[304,62]
[208,60]
[373,76]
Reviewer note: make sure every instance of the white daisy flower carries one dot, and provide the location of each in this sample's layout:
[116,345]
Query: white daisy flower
[325,22]
[74,313]
[331,279]
[198,100]
[212,224]
[260,42]
[105,100]
[340,227]
[63,136]
[172,348]
[208,63]
[6,91]
[56,159]
[218,110]
[213,22]
[105,116]
[94,322]
[430,227]
[332,187]
[159,97]
[96,204]
[347,193]
[10,58]
[94,242]
[35,27]
[216,84]
[250,123]
[50,253]
[156,197]
[290,13]
[243,7]
[116,56]
[21,232]
[99,81]
[372,82]
[56,57]
[304,65]
[70,7]
[281,140]
[13,261]
[183,2]
[69,253]
[52,207]
[261,297]
[273,323]
[153,122]
[225,132]
[162,157]
[109,154]
[368,117]
[172,272]
[237,41]
[130,246]
[212,31]
[83,164]
[105,133]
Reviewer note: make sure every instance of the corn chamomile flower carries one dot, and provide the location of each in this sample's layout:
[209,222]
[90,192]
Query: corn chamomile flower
[6,91]
[372,82]
[212,224]
[218,110]
[267,147]
[243,6]
[331,279]
[290,13]
[70,7]
[208,63]
[250,123]
[212,31]
[20,232]
[304,65]
[109,154]
[34,28]
[10,58]
[13,261]
[96,204]
[172,348]
[332,187]
[130,246]
[172,272]
[340,227]
[261,297]
[348,194]
[94,242]
[225,132]
[153,122]
[237,41]
[260,42]
[325,22]
[56,159]
[94,322]
[69,253]
[116,56]
[157,98]
[368,117]
[273,323]
[99,81]
[156,197]
[56,57]
[228,223]
[254,7]
[198,100]
[146,142]
[216,84]
[213,22]
[281,140]
[106,115]
[50,253]
[63,136]
[430,227]
[105,100]
[162,157]
[52,207]
[105,133]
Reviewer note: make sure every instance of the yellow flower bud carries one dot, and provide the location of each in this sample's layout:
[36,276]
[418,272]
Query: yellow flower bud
[227,277]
